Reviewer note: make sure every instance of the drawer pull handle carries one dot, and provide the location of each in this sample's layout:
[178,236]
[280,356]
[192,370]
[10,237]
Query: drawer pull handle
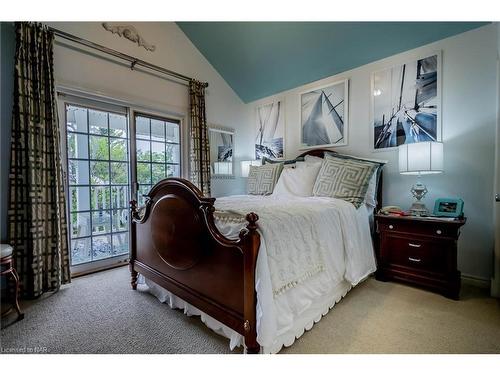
[414,244]
[439,231]
[391,226]
[416,260]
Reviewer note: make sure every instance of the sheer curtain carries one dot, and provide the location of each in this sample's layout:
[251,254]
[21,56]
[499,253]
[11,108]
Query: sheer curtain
[37,210]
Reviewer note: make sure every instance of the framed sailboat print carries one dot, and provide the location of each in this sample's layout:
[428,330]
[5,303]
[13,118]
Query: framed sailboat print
[406,103]
[270,131]
[324,117]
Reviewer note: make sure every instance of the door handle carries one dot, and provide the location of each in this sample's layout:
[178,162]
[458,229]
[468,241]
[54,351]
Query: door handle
[414,244]
[497,197]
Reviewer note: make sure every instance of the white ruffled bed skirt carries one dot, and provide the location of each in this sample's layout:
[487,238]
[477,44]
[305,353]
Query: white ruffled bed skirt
[304,323]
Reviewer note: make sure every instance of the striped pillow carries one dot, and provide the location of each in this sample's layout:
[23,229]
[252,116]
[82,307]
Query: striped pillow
[346,179]
[262,179]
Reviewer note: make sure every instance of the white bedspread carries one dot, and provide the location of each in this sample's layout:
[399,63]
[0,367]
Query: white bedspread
[313,250]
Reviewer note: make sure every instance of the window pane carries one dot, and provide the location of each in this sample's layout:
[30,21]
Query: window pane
[80,224]
[120,243]
[76,119]
[144,173]
[157,130]
[78,146]
[99,148]
[119,173]
[101,199]
[78,172]
[158,172]
[119,197]
[117,125]
[173,153]
[142,127]
[118,149]
[173,170]
[172,132]
[158,152]
[143,190]
[98,122]
[101,247]
[99,172]
[80,251]
[79,199]
[143,150]
[101,222]
[120,220]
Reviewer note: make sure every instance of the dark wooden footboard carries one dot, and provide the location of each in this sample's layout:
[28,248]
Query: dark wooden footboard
[175,243]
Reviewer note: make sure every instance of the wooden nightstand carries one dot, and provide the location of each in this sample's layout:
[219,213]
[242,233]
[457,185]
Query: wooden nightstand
[419,251]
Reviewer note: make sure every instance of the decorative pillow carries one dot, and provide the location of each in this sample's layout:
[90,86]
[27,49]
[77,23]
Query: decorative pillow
[262,179]
[346,179]
[371,194]
[285,162]
[297,181]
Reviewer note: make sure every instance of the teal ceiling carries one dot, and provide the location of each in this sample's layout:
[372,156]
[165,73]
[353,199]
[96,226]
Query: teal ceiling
[258,59]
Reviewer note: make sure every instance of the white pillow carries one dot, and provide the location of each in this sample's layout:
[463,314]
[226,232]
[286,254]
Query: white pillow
[309,159]
[297,181]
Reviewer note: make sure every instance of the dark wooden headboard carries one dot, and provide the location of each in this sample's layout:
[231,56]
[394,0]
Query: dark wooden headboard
[320,152]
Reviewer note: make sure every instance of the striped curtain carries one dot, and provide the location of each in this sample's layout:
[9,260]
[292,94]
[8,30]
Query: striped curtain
[199,150]
[37,210]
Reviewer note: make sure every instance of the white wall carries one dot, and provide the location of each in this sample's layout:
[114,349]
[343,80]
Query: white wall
[174,51]
[468,117]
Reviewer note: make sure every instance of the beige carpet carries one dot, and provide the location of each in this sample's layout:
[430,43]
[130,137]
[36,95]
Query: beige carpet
[101,314]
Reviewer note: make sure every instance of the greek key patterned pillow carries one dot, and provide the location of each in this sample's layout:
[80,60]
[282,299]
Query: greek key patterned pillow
[346,179]
[262,179]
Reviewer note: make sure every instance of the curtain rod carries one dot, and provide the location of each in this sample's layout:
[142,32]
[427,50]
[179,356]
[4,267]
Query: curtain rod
[133,61]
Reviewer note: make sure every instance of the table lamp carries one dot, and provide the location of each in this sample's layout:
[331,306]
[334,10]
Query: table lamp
[418,159]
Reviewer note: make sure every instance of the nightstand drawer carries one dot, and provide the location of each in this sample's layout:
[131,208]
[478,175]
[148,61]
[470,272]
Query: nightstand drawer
[417,252]
[425,228]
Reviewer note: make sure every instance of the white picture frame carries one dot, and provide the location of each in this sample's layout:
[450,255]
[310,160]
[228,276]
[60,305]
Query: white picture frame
[319,130]
[270,130]
[387,79]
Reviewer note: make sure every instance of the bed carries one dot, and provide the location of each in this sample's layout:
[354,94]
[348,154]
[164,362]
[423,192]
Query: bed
[261,283]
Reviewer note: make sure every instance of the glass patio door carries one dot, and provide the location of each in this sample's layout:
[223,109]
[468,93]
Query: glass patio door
[157,151]
[98,185]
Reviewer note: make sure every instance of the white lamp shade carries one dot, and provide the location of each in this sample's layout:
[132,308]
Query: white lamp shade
[421,158]
[245,166]
[223,167]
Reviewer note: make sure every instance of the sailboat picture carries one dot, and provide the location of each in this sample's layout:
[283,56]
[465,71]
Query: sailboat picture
[406,103]
[270,126]
[324,116]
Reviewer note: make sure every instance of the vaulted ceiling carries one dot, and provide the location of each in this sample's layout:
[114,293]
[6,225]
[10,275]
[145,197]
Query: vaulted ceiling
[258,59]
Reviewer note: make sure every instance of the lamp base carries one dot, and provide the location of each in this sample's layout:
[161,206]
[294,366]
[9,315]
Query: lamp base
[418,209]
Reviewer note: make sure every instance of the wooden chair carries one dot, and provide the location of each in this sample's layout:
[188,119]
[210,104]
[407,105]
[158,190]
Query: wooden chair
[7,261]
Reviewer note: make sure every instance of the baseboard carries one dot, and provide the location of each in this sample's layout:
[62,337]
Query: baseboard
[476,281]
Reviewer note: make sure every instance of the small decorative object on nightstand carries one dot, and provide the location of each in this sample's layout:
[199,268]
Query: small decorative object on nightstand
[421,251]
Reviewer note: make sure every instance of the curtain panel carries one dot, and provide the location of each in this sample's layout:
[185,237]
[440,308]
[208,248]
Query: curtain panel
[200,148]
[37,203]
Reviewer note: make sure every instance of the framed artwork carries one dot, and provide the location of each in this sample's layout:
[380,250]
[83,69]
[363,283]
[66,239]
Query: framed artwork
[324,119]
[270,131]
[406,103]
[221,152]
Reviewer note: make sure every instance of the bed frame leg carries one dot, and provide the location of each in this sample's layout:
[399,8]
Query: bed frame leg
[252,350]
[133,277]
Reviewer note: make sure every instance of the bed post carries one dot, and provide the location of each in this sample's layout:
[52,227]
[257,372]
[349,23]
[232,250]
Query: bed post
[250,252]
[133,273]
